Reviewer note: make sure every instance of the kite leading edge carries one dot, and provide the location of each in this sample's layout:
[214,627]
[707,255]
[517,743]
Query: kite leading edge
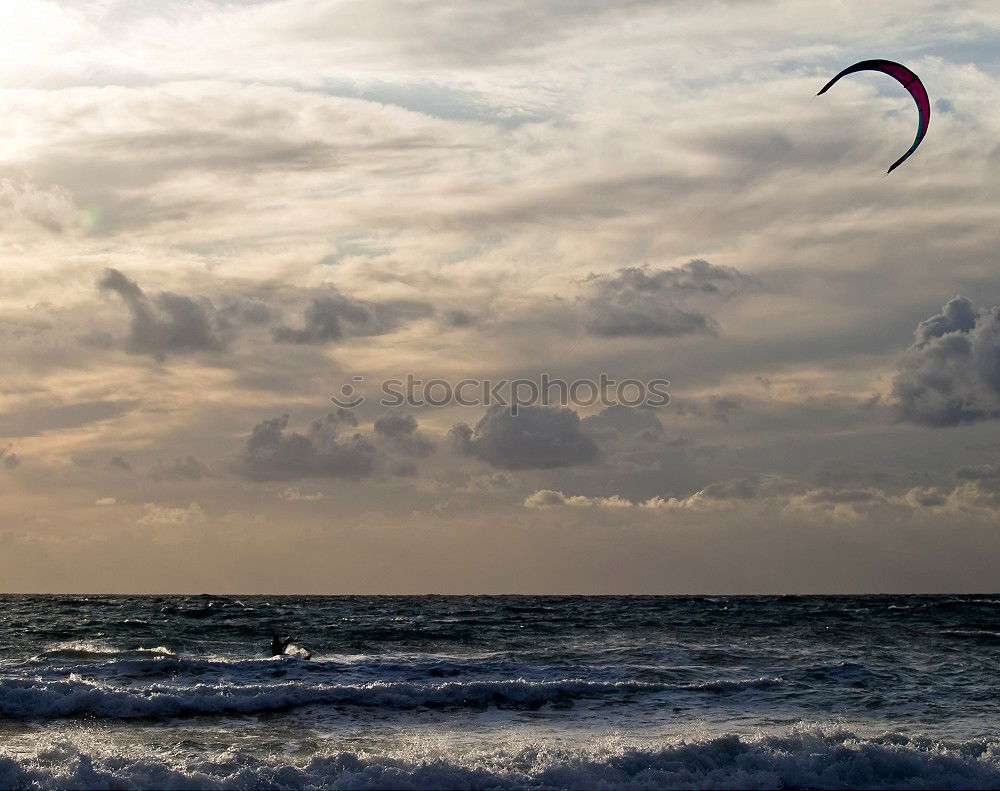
[908,80]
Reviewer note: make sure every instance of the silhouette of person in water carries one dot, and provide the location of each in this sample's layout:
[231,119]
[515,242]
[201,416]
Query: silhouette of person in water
[278,645]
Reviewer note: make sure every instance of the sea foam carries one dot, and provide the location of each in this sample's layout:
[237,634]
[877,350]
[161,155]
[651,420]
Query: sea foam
[801,758]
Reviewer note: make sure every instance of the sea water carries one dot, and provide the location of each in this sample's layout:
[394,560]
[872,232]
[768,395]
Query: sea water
[472,692]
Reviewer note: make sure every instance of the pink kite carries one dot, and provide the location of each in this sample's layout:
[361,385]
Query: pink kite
[910,81]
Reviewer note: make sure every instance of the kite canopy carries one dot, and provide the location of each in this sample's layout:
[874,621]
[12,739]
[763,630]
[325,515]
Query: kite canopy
[910,81]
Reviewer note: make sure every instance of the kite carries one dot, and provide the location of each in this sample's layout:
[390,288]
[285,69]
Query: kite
[910,81]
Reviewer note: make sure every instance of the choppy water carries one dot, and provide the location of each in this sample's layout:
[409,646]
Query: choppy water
[498,692]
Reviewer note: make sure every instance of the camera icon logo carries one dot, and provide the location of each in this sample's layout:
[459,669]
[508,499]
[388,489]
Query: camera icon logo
[349,397]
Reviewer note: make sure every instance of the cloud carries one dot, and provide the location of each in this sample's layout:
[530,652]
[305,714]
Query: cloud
[157,514]
[716,408]
[170,323]
[332,316]
[927,498]
[118,463]
[105,501]
[246,310]
[458,317]
[547,498]
[332,447]
[951,374]
[776,496]
[324,320]
[647,302]
[624,423]
[536,438]
[272,453]
[8,458]
[180,469]
[836,496]
[772,493]
[167,324]
[294,493]
[52,209]
[771,496]
[726,494]
[979,472]
[399,431]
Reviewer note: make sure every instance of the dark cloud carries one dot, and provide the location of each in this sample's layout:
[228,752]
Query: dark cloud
[326,450]
[247,310]
[929,498]
[395,424]
[180,469]
[646,302]
[399,431]
[333,315]
[951,374]
[324,320]
[118,463]
[168,323]
[8,458]
[456,317]
[720,409]
[979,472]
[535,438]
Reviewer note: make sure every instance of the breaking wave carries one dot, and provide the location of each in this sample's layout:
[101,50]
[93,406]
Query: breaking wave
[800,759]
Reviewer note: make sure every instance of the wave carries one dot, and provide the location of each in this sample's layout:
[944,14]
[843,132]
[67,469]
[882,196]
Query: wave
[34,698]
[123,666]
[152,683]
[81,649]
[733,685]
[800,759]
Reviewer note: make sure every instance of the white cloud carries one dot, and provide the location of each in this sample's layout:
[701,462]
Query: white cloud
[294,493]
[546,498]
[157,514]
[744,499]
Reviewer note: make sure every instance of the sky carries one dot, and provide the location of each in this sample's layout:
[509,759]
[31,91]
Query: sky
[214,215]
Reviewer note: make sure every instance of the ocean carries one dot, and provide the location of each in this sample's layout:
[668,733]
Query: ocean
[476,692]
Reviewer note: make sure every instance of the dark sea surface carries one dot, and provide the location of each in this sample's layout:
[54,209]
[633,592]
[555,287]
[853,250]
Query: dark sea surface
[473,692]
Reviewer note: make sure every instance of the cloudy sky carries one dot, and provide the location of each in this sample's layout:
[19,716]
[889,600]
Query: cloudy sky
[215,214]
